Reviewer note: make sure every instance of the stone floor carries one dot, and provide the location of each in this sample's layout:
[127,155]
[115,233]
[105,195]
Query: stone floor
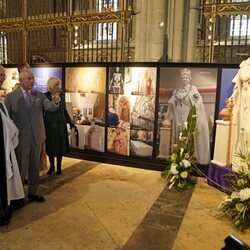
[101,206]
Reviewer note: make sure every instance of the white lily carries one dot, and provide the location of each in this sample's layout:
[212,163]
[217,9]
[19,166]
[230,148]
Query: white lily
[186,124]
[181,153]
[172,179]
[172,184]
[180,136]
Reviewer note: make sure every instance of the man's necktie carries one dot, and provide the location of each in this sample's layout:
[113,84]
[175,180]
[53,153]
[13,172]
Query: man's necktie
[27,99]
[2,108]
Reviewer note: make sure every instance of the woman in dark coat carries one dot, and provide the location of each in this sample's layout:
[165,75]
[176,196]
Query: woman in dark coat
[57,143]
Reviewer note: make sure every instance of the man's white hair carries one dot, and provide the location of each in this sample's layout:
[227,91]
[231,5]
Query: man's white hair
[23,73]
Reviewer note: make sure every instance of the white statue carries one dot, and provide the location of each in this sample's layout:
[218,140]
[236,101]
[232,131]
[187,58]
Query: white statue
[241,114]
[179,106]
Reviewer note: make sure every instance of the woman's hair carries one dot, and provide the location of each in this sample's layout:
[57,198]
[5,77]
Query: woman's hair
[52,82]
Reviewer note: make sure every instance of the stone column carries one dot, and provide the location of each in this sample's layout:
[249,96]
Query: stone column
[158,16]
[141,29]
[149,34]
[185,30]
[25,33]
[69,43]
[175,29]
[192,30]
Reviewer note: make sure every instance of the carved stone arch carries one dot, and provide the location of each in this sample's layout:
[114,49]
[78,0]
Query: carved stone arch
[129,57]
[104,57]
[206,58]
[83,57]
[239,59]
[218,58]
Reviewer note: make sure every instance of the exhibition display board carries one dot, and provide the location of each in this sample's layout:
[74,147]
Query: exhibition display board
[122,111]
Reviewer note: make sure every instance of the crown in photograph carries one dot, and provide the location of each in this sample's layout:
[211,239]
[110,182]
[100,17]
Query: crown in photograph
[185,71]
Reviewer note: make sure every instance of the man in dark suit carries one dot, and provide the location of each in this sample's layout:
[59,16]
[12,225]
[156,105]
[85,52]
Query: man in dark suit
[25,106]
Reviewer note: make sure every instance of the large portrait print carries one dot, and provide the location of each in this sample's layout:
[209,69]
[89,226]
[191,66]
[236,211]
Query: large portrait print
[180,89]
[85,99]
[131,108]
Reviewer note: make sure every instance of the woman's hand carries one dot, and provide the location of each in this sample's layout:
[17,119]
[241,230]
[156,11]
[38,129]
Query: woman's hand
[56,98]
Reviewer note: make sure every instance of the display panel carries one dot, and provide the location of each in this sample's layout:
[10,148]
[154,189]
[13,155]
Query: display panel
[85,99]
[118,141]
[12,78]
[42,75]
[131,103]
[132,94]
[180,88]
[226,88]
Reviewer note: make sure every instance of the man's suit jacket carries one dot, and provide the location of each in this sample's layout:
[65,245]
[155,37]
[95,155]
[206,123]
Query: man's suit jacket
[29,121]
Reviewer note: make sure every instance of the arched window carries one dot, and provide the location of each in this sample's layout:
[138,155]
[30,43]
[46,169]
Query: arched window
[107,31]
[240,26]
[3,48]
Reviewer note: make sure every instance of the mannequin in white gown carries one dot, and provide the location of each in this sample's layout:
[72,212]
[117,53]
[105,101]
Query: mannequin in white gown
[241,114]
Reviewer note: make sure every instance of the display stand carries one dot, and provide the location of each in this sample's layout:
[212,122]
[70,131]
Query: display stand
[81,136]
[216,177]
[221,150]
[164,148]
[221,163]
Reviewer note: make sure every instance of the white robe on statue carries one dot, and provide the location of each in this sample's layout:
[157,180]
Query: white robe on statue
[14,183]
[241,114]
[182,100]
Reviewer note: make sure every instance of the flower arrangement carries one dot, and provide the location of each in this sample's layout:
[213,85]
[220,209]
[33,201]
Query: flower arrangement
[237,204]
[180,165]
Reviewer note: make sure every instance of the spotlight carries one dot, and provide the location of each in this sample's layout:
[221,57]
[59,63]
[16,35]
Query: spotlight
[161,24]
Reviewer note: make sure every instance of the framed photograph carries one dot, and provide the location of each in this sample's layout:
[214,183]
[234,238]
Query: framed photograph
[141,80]
[85,92]
[141,143]
[181,88]
[90,111]
[85,79]
[143,112]
[118,141]
[84,112]
[116,80]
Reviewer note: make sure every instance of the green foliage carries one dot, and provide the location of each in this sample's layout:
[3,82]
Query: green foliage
[237,204]
[180,165]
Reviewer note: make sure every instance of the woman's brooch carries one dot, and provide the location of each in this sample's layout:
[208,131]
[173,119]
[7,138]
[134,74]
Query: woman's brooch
[196,97]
